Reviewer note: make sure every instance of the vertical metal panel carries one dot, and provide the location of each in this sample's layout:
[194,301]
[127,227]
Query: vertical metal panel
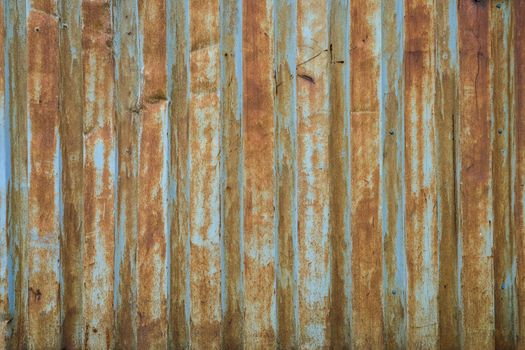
[72,167]
[312,162]
[285,124]
[339,178]
[258,88]
[262,174]
[99,175]
[177,40]
[365,158]
[502,111]
[44,177]
[446,117]
[420,175]
[15,19]
[127,48]
[153,181]
[204,141]
[392,177]
[232,218]
[475,207]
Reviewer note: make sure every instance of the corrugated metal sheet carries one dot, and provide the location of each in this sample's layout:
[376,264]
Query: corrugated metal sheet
[262,173]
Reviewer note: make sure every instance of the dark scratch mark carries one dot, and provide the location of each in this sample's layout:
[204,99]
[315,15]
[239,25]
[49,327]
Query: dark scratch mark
[307,78]
[314,57]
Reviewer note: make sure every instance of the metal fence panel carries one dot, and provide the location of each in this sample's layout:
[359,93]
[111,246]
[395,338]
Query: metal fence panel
[262,174]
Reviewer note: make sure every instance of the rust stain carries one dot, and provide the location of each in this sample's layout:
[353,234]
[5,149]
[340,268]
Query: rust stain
[286,175]
[72,157]
[128,105]
[339,170]
[365,226]
[312,162]
[18,200]
[3,334]
[178,204]
[447,113]
[232,194]
[262,174]
[475,206]
[152,182]
[204,121]
[420,178]
[258,143]
[151,242]
[44,225]
[505,301]
[99,171]
[394,237]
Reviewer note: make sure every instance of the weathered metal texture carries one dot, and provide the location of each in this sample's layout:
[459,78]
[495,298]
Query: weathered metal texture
[262,174]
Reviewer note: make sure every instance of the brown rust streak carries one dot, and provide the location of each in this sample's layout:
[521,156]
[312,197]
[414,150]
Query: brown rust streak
[313,191]
[17,55]
[421,215]
[151,244]
[45,6]
[504,288]
[475,184]
[153,30]
[151,241]
[178,328]
[71,142]
[338,146]
[258,140]
[231,153]
[285,179]
[99,191]
[127,118]
[204,183]
[367,310]
[447,109]
[43,238]
[394,294]
[518,139]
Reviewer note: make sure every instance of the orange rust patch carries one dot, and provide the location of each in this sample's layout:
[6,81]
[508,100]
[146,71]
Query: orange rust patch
[258,171]
[99,191]
[204,122]
[475,184]
[151,241]
[367,313]
[43,237]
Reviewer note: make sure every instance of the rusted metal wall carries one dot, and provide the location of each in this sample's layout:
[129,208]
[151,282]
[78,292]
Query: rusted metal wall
[262,173]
